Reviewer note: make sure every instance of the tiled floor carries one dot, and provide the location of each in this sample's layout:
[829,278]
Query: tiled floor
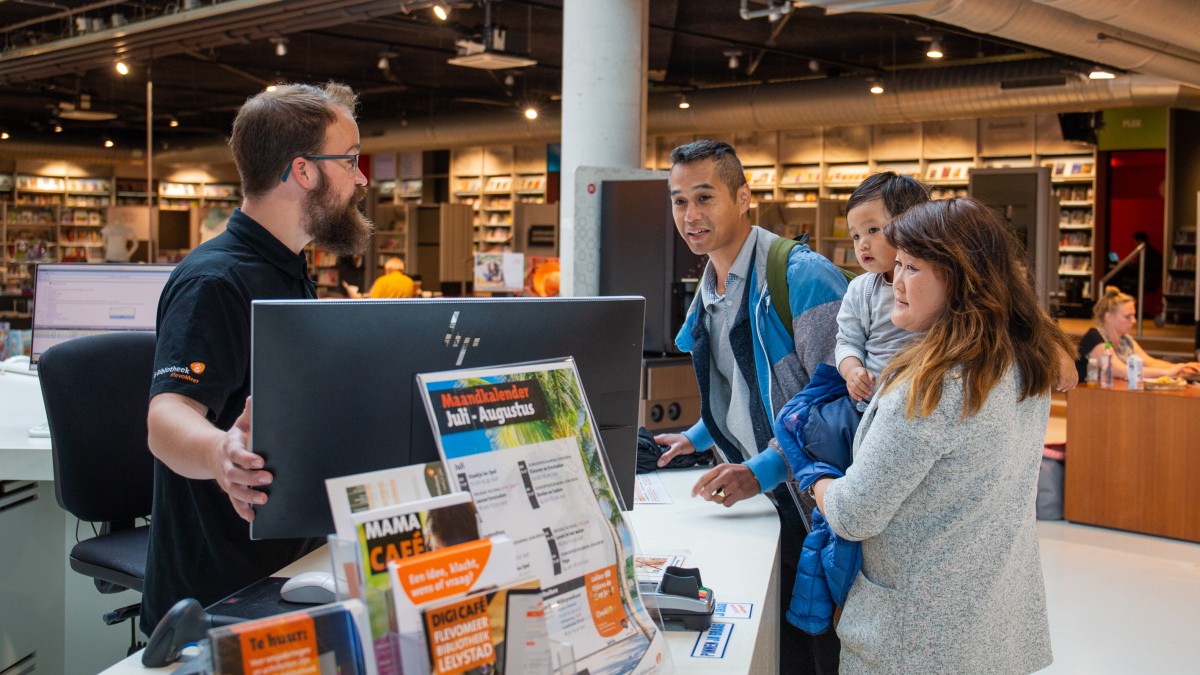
[1120,603]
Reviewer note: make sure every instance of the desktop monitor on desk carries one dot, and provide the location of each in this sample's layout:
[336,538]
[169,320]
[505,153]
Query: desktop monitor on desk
[334,389]
[71,300]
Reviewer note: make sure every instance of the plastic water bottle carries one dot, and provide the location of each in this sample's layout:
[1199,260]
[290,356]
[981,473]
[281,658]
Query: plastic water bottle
[1106,358]
[1093,370]
[1134,373]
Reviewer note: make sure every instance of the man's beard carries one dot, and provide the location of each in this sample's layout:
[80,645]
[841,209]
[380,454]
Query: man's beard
[337,227]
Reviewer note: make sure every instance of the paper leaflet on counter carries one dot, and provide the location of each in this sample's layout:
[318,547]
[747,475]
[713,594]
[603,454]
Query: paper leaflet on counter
[521,440]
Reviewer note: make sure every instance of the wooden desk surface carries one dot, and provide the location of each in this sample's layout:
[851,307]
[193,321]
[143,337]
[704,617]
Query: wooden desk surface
[1133,460]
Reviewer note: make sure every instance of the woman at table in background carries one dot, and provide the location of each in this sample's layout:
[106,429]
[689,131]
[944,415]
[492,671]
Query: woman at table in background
[1115,313]
[941,491]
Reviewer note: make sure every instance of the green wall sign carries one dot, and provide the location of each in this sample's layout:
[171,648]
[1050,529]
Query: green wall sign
[1133,129]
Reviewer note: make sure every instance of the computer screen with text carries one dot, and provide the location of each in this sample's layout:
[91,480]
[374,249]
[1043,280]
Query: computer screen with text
[71,300]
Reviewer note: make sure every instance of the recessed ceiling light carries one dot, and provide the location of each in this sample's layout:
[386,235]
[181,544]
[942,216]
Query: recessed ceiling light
[108,143]
[3,135]
[1099,73]
[173,123]
[876,86]
[122,67]
[531,113]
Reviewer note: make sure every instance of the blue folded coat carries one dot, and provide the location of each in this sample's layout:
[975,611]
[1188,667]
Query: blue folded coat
[816,430]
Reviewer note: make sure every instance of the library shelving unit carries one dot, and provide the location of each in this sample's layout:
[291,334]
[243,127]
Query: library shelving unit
[178,195]
[948,178]
[1180,292]
[841,179]
[1073,182]
[801,184]
[762,183]
[497,182]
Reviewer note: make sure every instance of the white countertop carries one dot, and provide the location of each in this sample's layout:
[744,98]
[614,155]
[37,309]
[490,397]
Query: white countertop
[736,550]
[22,457]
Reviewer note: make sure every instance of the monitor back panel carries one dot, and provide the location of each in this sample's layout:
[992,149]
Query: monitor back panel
[335,394]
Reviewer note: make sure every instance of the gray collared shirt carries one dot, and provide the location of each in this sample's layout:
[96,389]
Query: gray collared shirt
[727,390]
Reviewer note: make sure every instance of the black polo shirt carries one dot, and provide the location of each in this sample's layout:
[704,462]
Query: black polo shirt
[199,547]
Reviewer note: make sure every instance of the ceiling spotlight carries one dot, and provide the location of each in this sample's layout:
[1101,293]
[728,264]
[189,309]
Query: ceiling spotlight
[876,85]
[1099,73]
[683,102]
[173,123]
[3,135]
[280,45]
[383,63]
[509,80]
[57,128]
[531,113]
[122,67]
[734,58]
[935,50]
[108,143]
[441,11]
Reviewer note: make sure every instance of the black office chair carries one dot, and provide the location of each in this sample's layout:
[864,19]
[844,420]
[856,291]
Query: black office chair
[96,390]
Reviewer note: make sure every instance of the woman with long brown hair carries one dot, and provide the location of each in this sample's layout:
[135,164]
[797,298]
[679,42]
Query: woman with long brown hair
[941,491]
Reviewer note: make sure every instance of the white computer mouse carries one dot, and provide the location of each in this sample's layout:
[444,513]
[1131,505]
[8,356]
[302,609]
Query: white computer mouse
[310,588]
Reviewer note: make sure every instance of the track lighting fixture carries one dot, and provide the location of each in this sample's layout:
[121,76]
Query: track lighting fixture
[509,80]
[1099,73]
[683,102]
[934,51]
[57,128]
[876,85]
[108,143]
[734,56]
[531,113]
[383,63]
[441,10]
[280,45]
[173,123]
[3,135]
[122,67]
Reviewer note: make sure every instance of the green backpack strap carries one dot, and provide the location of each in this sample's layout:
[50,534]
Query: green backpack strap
[777,284]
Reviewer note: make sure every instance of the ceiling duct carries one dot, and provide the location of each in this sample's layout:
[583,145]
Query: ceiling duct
[1038,23]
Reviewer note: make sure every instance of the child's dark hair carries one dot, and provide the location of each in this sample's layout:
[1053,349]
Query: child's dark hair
[899,193]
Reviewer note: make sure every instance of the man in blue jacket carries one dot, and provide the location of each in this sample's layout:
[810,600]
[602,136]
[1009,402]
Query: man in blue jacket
[747,363]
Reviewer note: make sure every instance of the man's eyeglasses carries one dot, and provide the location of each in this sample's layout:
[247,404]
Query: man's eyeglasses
[353,163]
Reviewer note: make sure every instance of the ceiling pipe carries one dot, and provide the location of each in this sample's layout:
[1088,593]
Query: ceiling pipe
[1045,27]
[1141,16]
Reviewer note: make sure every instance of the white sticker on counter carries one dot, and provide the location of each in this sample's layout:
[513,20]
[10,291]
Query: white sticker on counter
[712,643]
[733,610]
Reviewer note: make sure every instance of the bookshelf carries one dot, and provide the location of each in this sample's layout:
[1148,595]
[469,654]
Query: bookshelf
[496,182]
[1072,179]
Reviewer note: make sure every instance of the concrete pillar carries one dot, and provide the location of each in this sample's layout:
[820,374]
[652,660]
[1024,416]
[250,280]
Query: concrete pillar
[603,111]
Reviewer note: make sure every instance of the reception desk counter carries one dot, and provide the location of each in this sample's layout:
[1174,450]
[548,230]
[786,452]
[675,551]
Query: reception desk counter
[1133,460]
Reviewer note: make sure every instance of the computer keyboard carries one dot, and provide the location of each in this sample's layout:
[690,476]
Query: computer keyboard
[40,430]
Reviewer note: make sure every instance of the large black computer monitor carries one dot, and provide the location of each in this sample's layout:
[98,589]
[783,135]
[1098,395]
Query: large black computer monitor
[334,390]
[71,300]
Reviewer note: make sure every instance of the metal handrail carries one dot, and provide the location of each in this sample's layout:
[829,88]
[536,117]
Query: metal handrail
[1140,252]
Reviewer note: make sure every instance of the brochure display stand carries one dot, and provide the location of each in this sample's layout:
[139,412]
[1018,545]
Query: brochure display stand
[520,439]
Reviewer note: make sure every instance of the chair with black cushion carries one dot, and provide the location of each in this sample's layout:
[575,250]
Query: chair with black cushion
[96,390]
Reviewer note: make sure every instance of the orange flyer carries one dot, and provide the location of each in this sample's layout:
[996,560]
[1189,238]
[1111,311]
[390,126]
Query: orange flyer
[460,636]
[604,600]
[285,645]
